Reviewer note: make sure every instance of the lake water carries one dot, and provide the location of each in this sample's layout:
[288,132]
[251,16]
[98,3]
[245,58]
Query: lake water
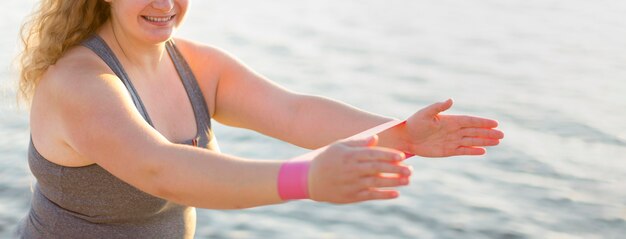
[553,72]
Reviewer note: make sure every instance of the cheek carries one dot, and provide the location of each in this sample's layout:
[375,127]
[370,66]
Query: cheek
[183,6]
[127,12]
[183,3]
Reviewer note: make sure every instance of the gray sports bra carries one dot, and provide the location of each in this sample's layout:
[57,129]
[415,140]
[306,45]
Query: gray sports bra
[89,202]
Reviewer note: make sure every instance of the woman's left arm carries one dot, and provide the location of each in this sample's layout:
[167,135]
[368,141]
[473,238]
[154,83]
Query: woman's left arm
[243,98]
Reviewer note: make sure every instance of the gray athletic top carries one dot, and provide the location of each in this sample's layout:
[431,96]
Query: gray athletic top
[89,202]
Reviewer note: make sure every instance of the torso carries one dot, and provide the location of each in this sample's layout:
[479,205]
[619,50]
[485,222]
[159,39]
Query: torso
[162,93]
[74,197]
[166,101]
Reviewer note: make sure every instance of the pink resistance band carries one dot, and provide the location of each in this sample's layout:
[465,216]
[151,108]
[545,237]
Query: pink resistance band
[293,176]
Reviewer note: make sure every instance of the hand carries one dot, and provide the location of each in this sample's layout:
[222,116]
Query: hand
[356,170]
[430,134]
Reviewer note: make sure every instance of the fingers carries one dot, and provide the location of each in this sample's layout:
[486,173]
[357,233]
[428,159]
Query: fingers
[473,141]
[364,142]
[374,161]
[379,168]
[383,181]
[376,194]
[469,151]
[477,122]
[482,133]
[436,108]
[376,153]
[374,168]
[371,188]
[355,170]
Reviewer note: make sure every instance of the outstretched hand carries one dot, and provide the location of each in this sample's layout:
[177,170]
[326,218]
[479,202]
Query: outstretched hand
[430,134]
[357,170]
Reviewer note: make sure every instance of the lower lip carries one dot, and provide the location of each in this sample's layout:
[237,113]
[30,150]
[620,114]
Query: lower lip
[160,24]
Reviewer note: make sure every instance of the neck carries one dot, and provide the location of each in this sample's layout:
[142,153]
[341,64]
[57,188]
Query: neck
[131,51]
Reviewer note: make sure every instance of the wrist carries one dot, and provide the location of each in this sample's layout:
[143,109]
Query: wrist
[397,138]
[293,180]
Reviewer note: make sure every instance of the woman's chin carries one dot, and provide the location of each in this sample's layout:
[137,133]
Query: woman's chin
[159,37]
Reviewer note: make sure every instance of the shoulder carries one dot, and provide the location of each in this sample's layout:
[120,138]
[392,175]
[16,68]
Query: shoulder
[198,49]
[211,65]
[77,83]
[77,69]
[205,56]
[80,80]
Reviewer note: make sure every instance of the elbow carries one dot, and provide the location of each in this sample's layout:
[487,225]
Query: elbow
[164,192]
[161,183]
[157,174]
[156,186]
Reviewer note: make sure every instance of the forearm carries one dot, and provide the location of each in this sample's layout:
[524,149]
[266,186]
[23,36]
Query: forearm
[202,178]
[319,121]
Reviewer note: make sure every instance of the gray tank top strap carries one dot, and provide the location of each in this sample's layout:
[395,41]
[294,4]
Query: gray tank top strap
[98,46]
[200,108]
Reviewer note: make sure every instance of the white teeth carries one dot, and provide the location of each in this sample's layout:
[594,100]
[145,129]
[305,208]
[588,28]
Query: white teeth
[158,19]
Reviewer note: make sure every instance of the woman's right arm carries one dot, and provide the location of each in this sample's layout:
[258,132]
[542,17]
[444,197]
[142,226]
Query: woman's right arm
[99,122]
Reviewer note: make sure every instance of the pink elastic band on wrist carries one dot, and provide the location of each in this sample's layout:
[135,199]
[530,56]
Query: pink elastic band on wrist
[293,176]
[293,180]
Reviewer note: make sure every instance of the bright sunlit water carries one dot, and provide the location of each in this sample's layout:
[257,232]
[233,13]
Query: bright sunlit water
[553,72]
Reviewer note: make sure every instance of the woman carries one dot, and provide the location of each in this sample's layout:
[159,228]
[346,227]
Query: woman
[121,143]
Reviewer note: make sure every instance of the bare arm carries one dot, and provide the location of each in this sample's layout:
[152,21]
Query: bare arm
[101,124]
[114,135]
[244,98]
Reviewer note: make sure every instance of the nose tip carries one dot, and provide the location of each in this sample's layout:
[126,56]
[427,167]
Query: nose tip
[164,5]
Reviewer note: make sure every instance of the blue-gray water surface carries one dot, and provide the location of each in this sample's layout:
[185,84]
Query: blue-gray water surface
[553,72]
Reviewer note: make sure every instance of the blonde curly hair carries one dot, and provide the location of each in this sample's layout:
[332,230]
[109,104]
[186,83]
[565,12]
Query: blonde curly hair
[53,28]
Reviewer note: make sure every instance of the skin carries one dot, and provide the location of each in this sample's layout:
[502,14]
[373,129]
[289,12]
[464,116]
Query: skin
[82,114]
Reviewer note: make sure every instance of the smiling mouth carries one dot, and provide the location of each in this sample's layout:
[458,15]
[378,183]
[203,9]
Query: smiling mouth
[158,19]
